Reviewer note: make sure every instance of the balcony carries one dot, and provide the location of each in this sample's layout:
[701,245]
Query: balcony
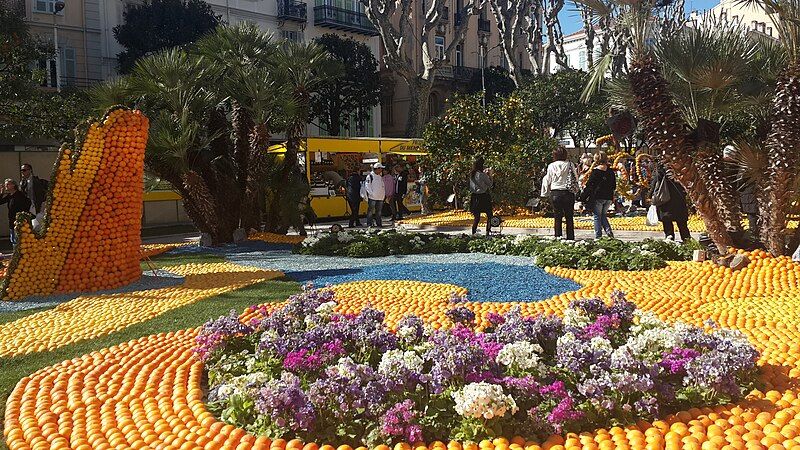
[464,74]
[446,15]
[291,10]
[343,19]
[484,26]
[444,72]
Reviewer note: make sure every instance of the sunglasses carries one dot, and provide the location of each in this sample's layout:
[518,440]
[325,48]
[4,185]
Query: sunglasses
[24,170]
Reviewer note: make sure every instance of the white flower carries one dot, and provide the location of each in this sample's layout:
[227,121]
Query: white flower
[521,354]
[310,241]
[600,343]
[599,252]
[225,391]
[483,400]
[573,317]
[326,308]
[344,237]
[393,360]
[406,332]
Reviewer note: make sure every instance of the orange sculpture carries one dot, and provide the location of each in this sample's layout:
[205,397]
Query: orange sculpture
[92,228]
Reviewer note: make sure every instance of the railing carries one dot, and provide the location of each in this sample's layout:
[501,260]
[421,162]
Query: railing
[462,73]
[444,72]
[483,25]
[343,19]
[72,82]
[291,10]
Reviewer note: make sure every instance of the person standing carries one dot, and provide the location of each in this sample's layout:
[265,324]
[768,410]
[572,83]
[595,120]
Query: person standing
[560,184]
[400,193]
[17,202]
[36,190]
[599,193]
[480,183]
[390,185]
[353,195]
[376,193]
[422,185]
[675,209]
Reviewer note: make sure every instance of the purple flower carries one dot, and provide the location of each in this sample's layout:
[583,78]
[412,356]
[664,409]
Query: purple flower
[601,326]
[215,333]
[461,315]
[286,404]
[401,421]
[675,360]
[495,319]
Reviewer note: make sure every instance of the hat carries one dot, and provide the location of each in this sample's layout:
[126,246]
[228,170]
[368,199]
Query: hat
[378,165]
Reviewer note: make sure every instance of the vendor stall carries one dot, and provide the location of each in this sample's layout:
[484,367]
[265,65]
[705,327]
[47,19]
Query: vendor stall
[329,160]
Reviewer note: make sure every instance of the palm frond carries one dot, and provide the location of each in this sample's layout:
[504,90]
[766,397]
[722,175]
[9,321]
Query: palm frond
[597,77]
[113,92]
[750,159]
[598,7]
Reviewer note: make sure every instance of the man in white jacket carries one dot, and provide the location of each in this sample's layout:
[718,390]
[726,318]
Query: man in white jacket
[376,193]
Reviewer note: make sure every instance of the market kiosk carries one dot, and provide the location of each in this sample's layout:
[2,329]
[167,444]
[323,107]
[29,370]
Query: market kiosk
[329,160]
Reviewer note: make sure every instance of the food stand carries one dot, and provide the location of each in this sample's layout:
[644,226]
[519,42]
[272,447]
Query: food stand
[329,160]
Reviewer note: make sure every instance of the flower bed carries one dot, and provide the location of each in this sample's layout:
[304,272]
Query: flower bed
[604,253]
[310,372]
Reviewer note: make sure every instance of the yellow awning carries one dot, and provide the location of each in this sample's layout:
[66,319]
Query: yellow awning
[400,146]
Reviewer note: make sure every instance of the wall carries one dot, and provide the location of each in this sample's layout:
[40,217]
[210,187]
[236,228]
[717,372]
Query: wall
[159,208]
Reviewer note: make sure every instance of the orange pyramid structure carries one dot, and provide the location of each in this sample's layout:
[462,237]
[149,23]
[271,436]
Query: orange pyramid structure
[92,228]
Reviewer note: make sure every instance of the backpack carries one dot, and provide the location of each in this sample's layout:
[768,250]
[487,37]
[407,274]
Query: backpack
[363,190]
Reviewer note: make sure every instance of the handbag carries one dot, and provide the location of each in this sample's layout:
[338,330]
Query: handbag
[661,193]
[572,182]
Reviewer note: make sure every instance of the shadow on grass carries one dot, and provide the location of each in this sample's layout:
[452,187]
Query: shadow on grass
[196,314]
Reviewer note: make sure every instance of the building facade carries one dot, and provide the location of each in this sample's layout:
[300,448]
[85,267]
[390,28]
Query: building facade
[479,48]
[751,18]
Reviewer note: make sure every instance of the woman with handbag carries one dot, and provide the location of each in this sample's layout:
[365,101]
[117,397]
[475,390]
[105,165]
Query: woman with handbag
[669,198]
[599,194]
[560,184]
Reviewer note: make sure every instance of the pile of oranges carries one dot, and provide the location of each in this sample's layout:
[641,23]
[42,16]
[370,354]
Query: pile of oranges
[527,220]
[92,316]
[274,238]
[151,250]
[92,229]
[148,392]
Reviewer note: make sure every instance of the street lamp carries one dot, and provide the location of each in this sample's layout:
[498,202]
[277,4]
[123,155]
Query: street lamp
[58,5]
[482,42]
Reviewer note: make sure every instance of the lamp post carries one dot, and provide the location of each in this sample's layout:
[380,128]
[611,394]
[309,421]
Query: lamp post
[482,44]
[57,7]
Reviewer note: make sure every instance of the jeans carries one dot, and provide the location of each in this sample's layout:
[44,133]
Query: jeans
[374,209]
[683,228]
[600,211]
[564,208]
[13,237]
[355,205]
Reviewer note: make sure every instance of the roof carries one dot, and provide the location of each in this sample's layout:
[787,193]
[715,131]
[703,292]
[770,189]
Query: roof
[402,146]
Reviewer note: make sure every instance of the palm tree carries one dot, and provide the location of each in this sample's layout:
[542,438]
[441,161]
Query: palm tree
[783,139]
[213,107]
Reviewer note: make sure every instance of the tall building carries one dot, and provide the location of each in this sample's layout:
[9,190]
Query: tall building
[478,48]
[749,16]
[79,40]
[576,51]
[286,19]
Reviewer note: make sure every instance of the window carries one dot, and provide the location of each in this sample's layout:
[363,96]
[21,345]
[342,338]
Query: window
[460,55]
[433,105]
[48,68]
[582,59]
[387,110]
[440,48]
[504,61]
[45,6]
[769,31]
[292,35]
[68,66]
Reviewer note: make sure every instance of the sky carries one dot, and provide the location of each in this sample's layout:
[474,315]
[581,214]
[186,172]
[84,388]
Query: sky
[571,20]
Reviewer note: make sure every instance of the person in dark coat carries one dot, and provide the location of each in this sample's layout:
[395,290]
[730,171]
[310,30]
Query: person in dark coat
[599,194]
[401,192]
[675,210]
[353,194]
[17,202]
[34,187]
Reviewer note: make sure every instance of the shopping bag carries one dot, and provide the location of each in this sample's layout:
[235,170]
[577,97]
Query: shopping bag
[796,255]
[652,216]
[661,193]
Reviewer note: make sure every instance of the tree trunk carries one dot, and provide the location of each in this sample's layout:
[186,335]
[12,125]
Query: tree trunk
[242,123]
[783,150]
[254,200]
[418,91]
[721,191]
[213,215]
[666,134]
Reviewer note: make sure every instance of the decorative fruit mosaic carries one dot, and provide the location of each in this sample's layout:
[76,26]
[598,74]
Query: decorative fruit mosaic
[92,230]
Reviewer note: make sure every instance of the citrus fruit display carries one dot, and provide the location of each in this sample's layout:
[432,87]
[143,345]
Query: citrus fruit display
[527,220]
[149,392]
[275,238]
[91,234]
[91,316]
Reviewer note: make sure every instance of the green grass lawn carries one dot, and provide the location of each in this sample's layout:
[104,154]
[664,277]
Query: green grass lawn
[13,369]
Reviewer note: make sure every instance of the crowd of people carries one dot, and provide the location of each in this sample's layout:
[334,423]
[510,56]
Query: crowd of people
[383,187]
[27,195]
